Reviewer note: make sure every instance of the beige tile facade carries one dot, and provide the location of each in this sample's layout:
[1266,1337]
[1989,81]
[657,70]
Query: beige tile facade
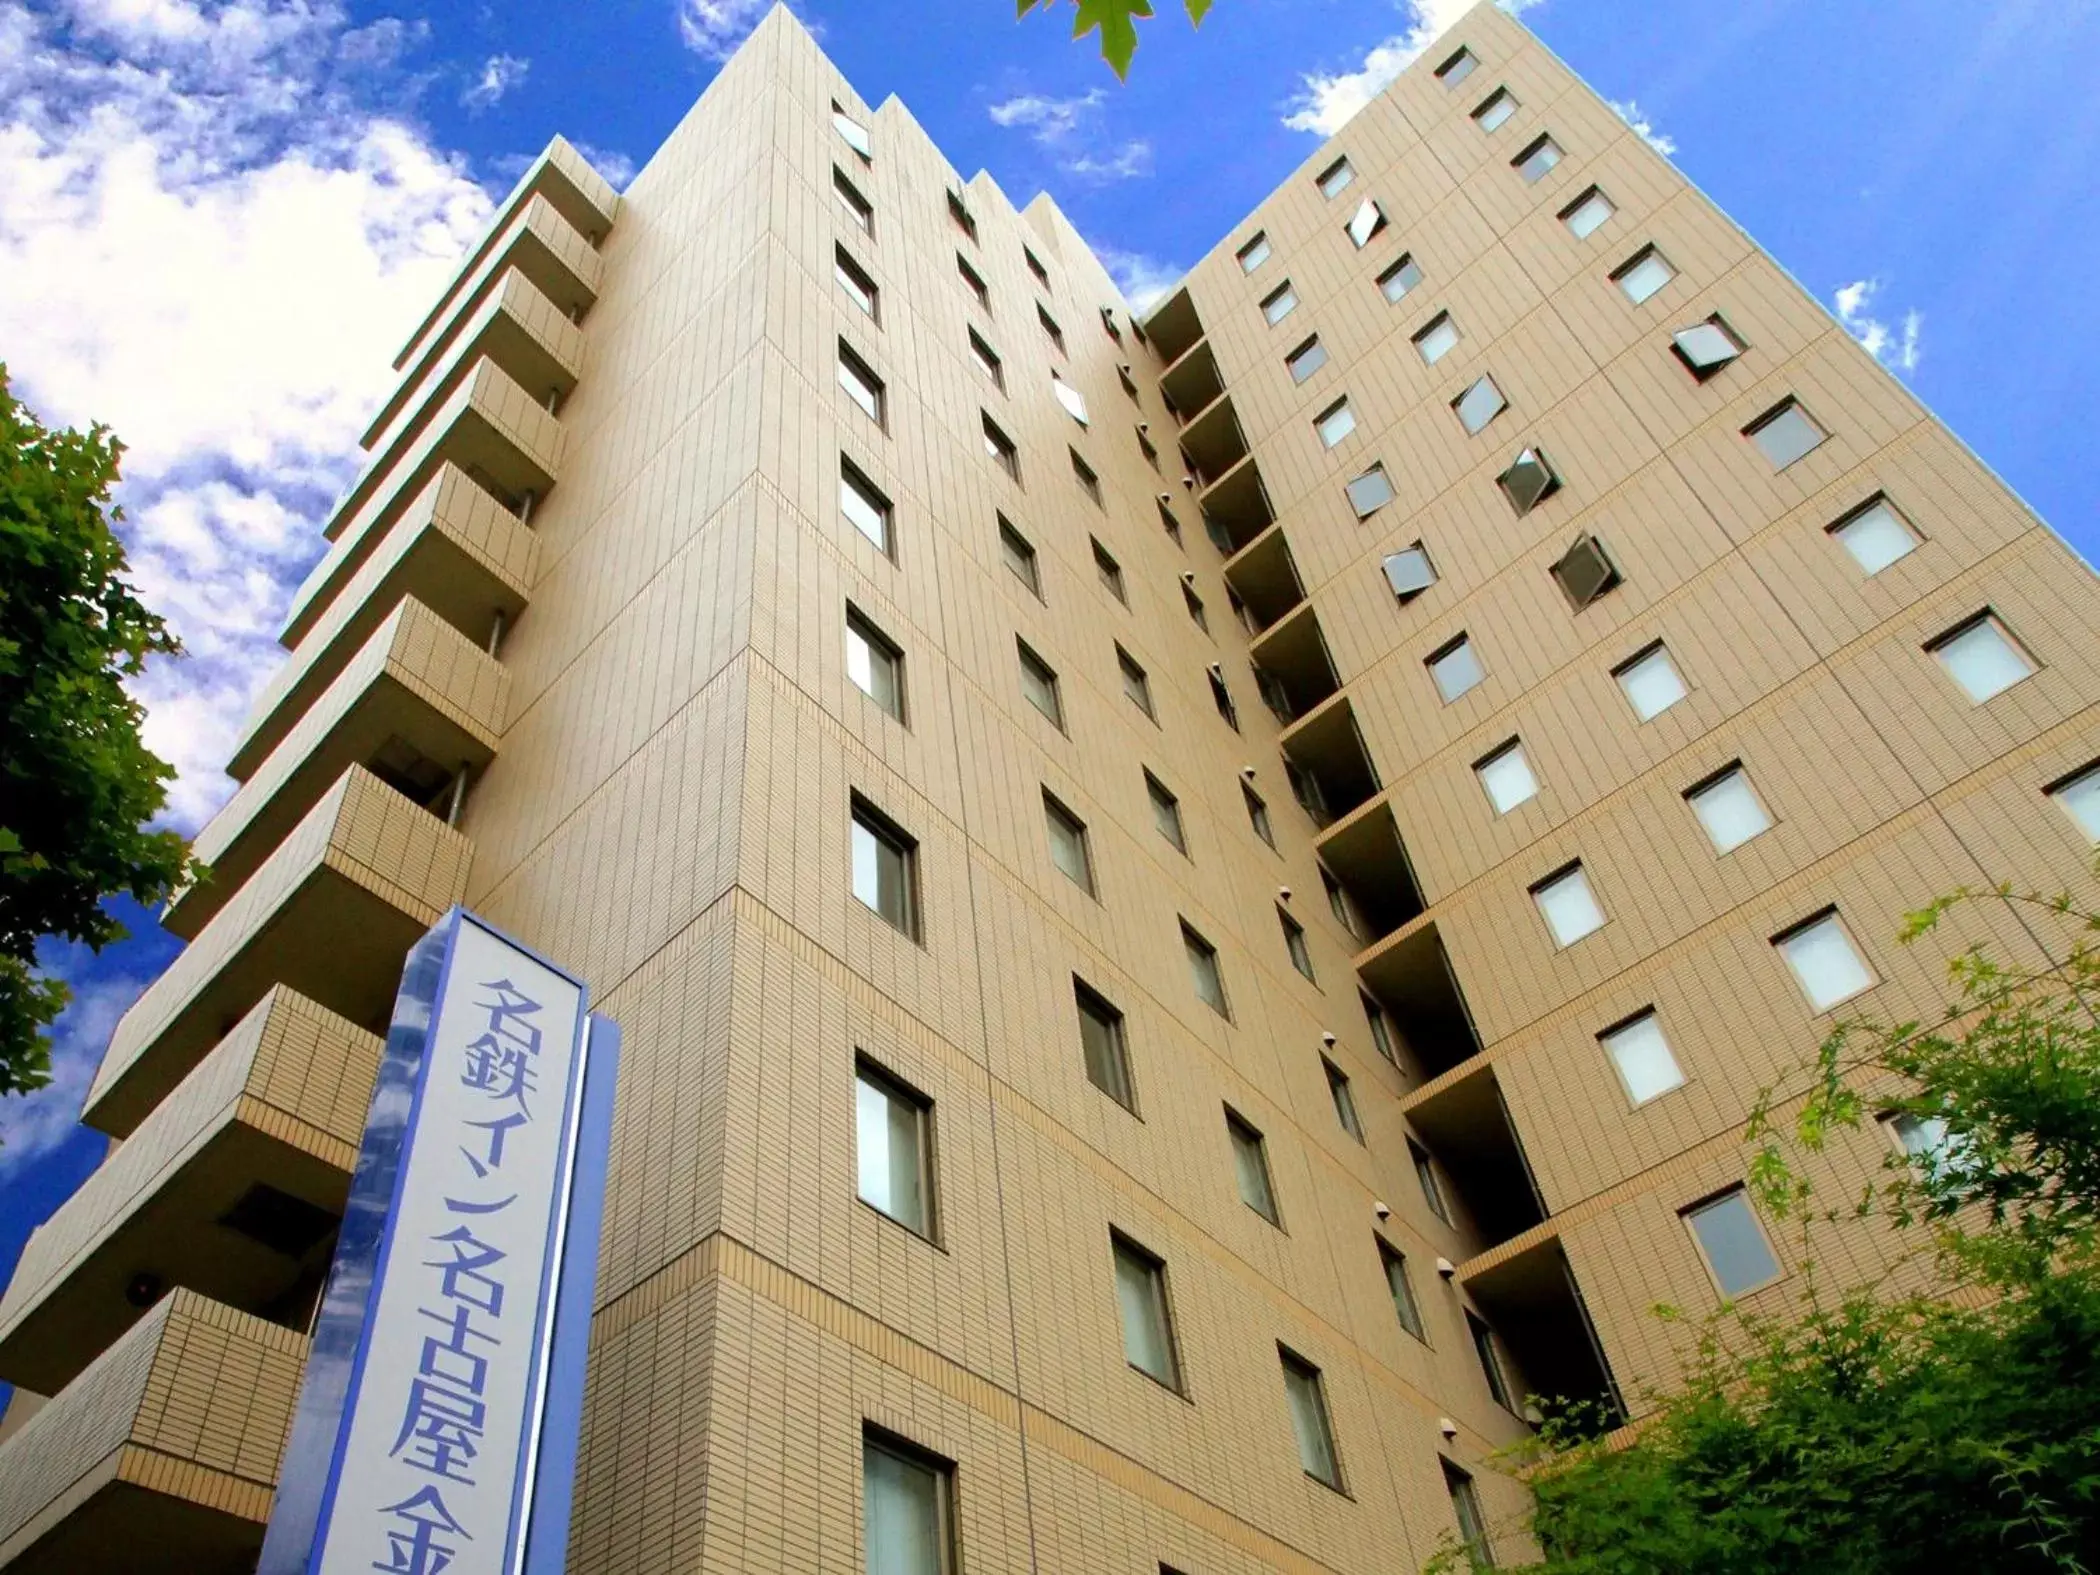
[599,569]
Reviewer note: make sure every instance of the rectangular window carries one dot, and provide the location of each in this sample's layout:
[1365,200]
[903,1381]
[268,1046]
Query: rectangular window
[890,1148]
[1456,69]
[961,215]
[1307,359]
[851,131]
[1151,453]
[1250,1166]
[1203,970]
[862,386]
[1585,216]
[1051,331]
[1400,1288]
[1438,340]
[1370,492]
[1875,534]
[1101,1044]
[1381,1028]
[1568,905]
[1308,1402]
[2078,796]
[975,282]
[1427,1179]
[1824,961]
[854,280]
[884,860]
[1642,274]
[856,207]
[1506,777]
[1585,571]
[1035,266]
[1472,1524]
[1108,323]
[1129,383]
[1982,656]
[988,361]
[1254,253]
[1729,808]
[908,1514]
[1135,684]
[1642,1056]
[1494,111]
[1221,697]
[1706,348]
[1338,903]
[1141,1298]
[1019,556]
[1529,481]
[874,663]
[1479,405]
[1456,669]
[1194,604]
[1366,224]
[1650,682]
[1258,815]
[1398,280]
[1068,849]
[1039,685]
[1344,1101]
[1110,571]
[1410,572]
[1166,812]
[1294,943]
[1537,160]
[1279,303]
[1733,1243]
[1083,473]
[1335,179]
[865,508]
[1490,1360]
[1001,449]
[1785,433]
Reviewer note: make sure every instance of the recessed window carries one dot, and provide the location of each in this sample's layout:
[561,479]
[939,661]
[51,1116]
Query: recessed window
[1587,213]
[1070,397]
[1706,348]
[1258,814]
[1370,492]
[974,281]
[1141,1298]
[1923,1139]
[1642,1057]
[1101,1044]
[1221,697]
[1381,1028]
[1166,812]
[1733,1243]
[1479,405]
[1429,1181]
[1568,906]
[1398,280]
[852,203]
[1494,111]
[1129,383]
[1203,971]
[862,386]
[1982,656]
[865,508]
[1146,448]
[2079,797]
[1335,179]
[883,867]
[1136,686]
[1485,1349]
[1001,449]
[987,360]
[1642,275]
[1110,571]
[1254,253]
[854,280]
[1250,1167]
[1279,303]
[1437,340]
[874,664]
[1400,1288]
[960,213]
[1465,1508]
[1876,535]
[890,1149]
[1039,684]
[1016,552]
[1506,777]
[1456,668]
[1585,571]
[1168,523]
[1083,473]
[1068,844]
[1334,423]
[1457,68]
[1409,572]
[1785,434]
[851,131]
[1344,1101]
[1194,604]
[1366,224]
[1529,481]
[1537,159]
[1308,1402]
[1051,331]
[1338,903]
[1824,961]
[1035,266]
[1650,682]
[1729,808]
[1108,325]
[1294,943]
[1307,359]
[908,1520]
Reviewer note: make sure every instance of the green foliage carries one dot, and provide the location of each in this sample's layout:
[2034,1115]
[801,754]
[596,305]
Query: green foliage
[1116,22]
[76,784]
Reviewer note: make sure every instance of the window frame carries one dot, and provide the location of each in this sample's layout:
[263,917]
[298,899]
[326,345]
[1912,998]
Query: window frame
[1986,618]
[1397,270]
[1341,1096]
[847,272]
[1543,143]
[1573,870]
[852,366]
[1253,252]
[1713,782]
[1590,193]
[1641,658]
[1204,963]
[886,833]
[879,1078]
[1124,1248]
[1034,670]
[1010,537]
[883,1441]
[988,360]
[1802,927]
[1296,946]
[1400,1286]
[1166,812]
[1246,1138]
[1789,406]
[1624,274]
[1058,816]
[1091,1006]
[1311,349]
[1001,449]
[1462,641]
[1429,1182]
[857,481]
[1313,1384]
[854,201]
[1878,503]
[1108,571]
[1647,1016]
[860,626]
[1738,1193]
[1129,669]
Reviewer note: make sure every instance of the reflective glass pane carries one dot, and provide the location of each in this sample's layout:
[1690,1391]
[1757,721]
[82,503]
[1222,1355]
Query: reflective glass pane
[1651,684]
[1643,1058]
[1729,810]
[1825,963]
[1983,660]
[1569,906]
[1734,1244]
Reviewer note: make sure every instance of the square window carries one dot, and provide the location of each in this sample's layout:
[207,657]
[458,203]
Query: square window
[1409,572]
[854,134]
[1650,682]
[1051,331]
[1335,179]
[1479,405]
[1402,277]
[1204,971]
[1472,1523]
[1706,348]
[1366,224]
[1019,556]
[1876,535]
[1456,69]
[1585,572]
[1250,1166]
[2079,797]
[1001,449]
[1427,1179]
[1824,961]
[1983,657]
[866,509]
[1438,340]
[1039,685]
[1102,1045]
[1194,604]
[1294,943]
[1456,667]
[1506,777]
[988,361]
[1068,849]
[961,215]
[1254,253]
[1258,814]
[1111,572]
[1642,1056]
[1568,905]
[1344,1100]
[1400,1289]
[1307,359]
[1083,473]
[874,664]
[862,386]
[1279,303]
[854,280]
[1136,686]
[1785,434]
[1529,481]
[852,203]
[1141,1298]
[1585,216]
[1308,1403]
[1537,160]
[974,281]
[1035,266]
[1490,1360]
[1729,808]
[1370,492]
[891,1153]
[1643,274]
[1923,1139]
[1070,397]
[908,1515]
[1494,111]
[1733,1243]
[1380,1026]
[883,867]
[1334,423]
[1166,813]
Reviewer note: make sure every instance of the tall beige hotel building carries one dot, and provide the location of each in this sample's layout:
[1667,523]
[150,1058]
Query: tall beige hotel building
[1196,902]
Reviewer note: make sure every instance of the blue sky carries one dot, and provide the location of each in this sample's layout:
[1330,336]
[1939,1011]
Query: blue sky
[218,218]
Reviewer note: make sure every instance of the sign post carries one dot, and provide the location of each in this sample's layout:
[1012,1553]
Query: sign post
[436,1429]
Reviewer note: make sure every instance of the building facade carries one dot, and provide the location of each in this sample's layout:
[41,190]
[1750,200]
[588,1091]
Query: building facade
[1196,906]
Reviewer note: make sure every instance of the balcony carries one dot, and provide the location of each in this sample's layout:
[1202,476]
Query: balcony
[1527,1288]
[1236,507]
[1213,441]
[456,550]
[1464,1120]
[1368,860]
[232,1188]
[1174,326]
[330,914]
[418,706]
[1193,381]
[1410,975]
[1265,578]
[162,1455]
[1332,770]
[1291,657]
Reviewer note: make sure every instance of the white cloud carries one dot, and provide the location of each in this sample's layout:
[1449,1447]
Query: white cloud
[1144,281]
[1072,132]
[1326,101]
[499,74]
[617,168]
[714,28]
[1893,347]
[1642,127]
[32,1125]
[1049,120]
